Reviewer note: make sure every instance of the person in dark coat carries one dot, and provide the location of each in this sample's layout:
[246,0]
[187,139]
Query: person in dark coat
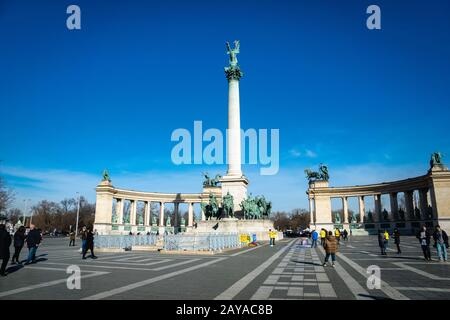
[381,242]
[89,244]
[19,241]
[33,240]
[440,243]
[425,239]
[396,235]
[5,242]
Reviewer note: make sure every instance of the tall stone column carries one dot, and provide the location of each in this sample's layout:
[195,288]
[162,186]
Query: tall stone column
[377,216]
[191,215]
[119,208]
[345,209]
[394,206]
[203,215]
[161,214]
[147,213]
[133,207]
[439,181]
[409,205]
[234,181]
[311,212]
[362,209]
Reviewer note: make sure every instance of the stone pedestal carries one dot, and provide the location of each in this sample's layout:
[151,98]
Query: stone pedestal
[233,225]
[237,187]
[103,207]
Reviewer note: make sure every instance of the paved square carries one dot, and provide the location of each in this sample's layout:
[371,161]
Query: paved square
[286,271]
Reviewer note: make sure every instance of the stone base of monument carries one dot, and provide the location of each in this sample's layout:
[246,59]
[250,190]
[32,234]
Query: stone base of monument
[259,227]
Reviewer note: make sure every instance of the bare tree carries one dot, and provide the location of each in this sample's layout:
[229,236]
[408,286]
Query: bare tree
[6,196]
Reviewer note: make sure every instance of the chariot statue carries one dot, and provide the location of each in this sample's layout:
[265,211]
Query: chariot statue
[211,182]
[322,174]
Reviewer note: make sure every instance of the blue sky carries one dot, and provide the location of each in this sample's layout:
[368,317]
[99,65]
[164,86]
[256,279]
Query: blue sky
[373,105]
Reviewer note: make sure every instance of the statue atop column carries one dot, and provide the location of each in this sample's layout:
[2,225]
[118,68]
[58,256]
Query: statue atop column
[321,175]
[233,72]
[436,162]
[106,176]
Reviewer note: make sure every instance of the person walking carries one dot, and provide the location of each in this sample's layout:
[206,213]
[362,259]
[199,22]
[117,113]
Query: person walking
[33,240]
[381,242]
[396,235]
[19,241]
[272,235]
[385,240]
[331,247]
[314,237]
[323,235]
[89,244]
[345,234]
[72,238]
[424,237]
[337,235]
[440,243]
[83,238]
[5,242]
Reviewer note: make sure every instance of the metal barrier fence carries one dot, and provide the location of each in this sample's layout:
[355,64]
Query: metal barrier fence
[125,241]
[199,242]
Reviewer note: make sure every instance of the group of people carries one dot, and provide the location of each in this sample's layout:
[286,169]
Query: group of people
[33,239]
[440,238]
[87,235]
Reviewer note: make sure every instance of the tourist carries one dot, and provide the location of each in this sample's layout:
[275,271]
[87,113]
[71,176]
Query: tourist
[337,235]
[351,233]
[272,235]
[425,238]
[314,237]
[396,235]
[19,241]
[323,235]
[385,240]
[72,238]
[440,243]
[33,240]
[331,247]
[381,243]
[5,242]
[89,244]
[83,238]
[345,234]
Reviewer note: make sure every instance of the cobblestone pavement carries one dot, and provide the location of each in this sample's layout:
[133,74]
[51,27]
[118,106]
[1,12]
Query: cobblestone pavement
[289,270]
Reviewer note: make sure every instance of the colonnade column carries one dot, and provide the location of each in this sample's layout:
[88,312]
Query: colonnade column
[147,213]
[133,207]
[312,220]
[394,206]
[362,209]
[119,208]
[377,201]
[191,214]
[203,215]
[345,209]
[409,205]
[161,214]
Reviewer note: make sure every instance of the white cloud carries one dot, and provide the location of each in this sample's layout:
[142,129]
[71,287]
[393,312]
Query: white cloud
[310,154]
[295,153]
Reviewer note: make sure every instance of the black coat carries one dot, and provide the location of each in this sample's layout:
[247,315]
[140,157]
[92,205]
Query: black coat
[33,238]
[89,237]
[427,236]
[5,242]
[444,237]
[19,239]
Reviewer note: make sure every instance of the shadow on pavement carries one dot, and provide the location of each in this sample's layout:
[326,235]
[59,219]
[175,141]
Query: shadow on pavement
[374,297]
[307,262]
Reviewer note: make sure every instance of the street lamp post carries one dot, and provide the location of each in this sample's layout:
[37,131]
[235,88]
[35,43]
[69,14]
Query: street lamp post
[78,215]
